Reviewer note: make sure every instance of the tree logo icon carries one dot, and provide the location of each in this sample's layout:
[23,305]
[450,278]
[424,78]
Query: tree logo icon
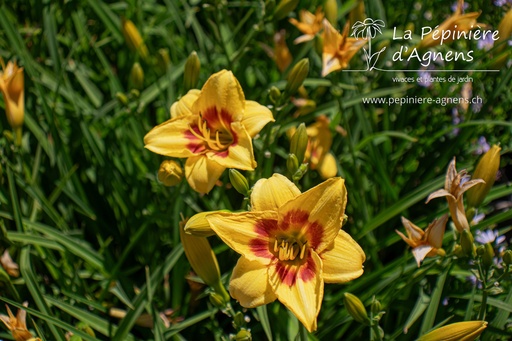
[368,29]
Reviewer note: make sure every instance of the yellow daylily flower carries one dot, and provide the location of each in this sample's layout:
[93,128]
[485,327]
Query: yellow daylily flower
[17,324]
[13,89]
[460,331]
[338,48]
[213,129]
[291,243]
[309,24]
[455,185]
[456,23]
[486,170]
[426,243]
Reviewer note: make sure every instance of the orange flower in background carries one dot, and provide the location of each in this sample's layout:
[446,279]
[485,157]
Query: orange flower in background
[456,23]
[17,324]
[212,128]
[12,86]
[310,24]
[290,244]
[318,152]
[282,54]
[338,48]
[426,243]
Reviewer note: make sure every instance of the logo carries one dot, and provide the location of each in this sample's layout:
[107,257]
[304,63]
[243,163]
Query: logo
[368,29]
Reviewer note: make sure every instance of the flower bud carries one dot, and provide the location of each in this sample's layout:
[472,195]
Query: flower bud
[505,31]
[121,98]
[507,257]
[284,7]
[297,76]
[192,68]
[170,173]
[355,308]
[292,164]
[303,168]
[274,94]
[331,11]
[480,250]
[137,76]
[457,251]
[239,319]
[12,86]
[243,335]
[239,182]
[488,256]
[468,330]
[357,13]
[198,226]
[217,300]
[486,170]
[163,61]
[467,243]
[376,307]
[134,39]
[299,143]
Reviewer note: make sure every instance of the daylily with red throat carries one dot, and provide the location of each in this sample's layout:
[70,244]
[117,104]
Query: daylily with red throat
[426,243]
[213,129]
[291,243]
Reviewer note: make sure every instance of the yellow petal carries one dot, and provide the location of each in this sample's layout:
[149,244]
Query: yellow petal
[183,107]
[328,166]
[173,138]
[435,231]
[202,173]
[460,331]
[270,194]
[344,262]
[240,154]
[413,232]
[223,92]
[420,252]
[300,290]
[249,284]
[324,207]
[247,233]
[256,116]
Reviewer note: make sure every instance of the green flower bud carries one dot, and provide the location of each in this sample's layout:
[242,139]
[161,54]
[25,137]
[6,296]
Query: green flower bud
[376,307]
[192,68]
[292,164]
[121,98]
[170,173]
[507,257]
[243,335]
[299,143]
[163,60]
[137,76]
[331,11]
[239,319]
[486,170]
[239,182]
[488,256]
[297,76]
[480,250]
[457,251]
[467,243]
[274,94]
[198,226]
[85,328]
[303,168]
[355,308]
[284,7]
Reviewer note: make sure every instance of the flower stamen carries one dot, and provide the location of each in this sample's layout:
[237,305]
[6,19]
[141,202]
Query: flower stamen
[289,250]
[218,141]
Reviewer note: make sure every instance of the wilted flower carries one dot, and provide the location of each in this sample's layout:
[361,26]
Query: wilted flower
[17,325]
[12,86]
[291,243]
[460,331]
[9,265]
[212,128]
[456,24]
[310,24]
[455,185]
[426,243]
[338,48]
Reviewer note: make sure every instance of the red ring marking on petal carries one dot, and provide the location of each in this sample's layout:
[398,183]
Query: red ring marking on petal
[261,246]
[195,145]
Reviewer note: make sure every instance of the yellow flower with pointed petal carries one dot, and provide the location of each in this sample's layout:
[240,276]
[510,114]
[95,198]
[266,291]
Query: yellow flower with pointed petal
[338,48]
[13,89]
[455,24]
[455,185]
[426,243]
[309,24]
[213,129]
[460,331]
[291,243]
[17,324]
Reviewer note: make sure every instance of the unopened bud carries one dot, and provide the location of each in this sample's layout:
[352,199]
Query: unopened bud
[243,335]
[121,98]
[507,257]
[505,30]
[355,308]
[357,13]
[299,143]
[297,76]
[488,256]
[303,168]
[134,39]
[85,328]
[376,307]
[274,94]
[217,300]
[468,330]
[239,319]
[239,182]
[284,7]
[331,11]
[163,60]
[292,164]
[486,170]
[467,243]
[137,76]
[192,68]
[170,173]
[198,226]
[457,251]
[480,250]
